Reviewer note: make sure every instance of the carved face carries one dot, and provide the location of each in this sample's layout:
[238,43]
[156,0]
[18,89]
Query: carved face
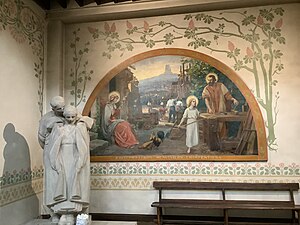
[58,110]
[70,117]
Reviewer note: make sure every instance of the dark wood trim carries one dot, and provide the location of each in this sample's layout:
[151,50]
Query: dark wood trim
[63,3]
[152,218]
[122,217]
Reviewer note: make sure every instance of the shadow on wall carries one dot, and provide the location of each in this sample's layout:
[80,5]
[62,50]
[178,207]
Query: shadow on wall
[17,170]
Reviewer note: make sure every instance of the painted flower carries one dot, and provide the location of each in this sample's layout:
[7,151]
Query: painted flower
[249,52]
[231,46]
[106,27]
[191,25]
[92,30]
[113,28]
[146,25]
[17,34]
[279,23]
[26,16]
[260,20]
[129,25]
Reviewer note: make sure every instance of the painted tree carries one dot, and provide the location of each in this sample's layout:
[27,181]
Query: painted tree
[197,72]
[259,35]
[79,74]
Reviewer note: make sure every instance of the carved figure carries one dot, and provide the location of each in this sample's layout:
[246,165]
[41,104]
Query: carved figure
[46,124]
[70,159]
[68,166]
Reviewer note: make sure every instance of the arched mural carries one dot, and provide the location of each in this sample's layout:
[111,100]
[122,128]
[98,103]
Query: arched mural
[144,109]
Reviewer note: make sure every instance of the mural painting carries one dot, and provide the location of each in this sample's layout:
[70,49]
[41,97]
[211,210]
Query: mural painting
[251,40]
[172,107]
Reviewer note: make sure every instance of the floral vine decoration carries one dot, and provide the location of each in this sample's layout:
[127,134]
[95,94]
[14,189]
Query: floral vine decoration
[25,25]
[260,33]
[79,73]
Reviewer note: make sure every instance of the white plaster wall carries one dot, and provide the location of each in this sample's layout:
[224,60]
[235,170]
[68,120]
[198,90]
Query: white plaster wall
[139,201]
[22,211]
[19,89]
[20,153]
[288,125]
[122,198]
[19,92]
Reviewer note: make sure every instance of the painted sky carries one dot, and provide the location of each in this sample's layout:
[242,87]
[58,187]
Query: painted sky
[155,66]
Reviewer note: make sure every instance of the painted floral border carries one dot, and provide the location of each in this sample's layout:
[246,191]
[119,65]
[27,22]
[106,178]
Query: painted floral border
[195,168]
[18,185]
[16,177]
[167,169]
[18,192]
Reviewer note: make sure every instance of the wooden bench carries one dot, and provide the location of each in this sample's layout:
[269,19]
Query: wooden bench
[223,204]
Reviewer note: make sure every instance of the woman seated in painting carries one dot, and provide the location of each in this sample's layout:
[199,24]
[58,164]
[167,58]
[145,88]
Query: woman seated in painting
[116,130]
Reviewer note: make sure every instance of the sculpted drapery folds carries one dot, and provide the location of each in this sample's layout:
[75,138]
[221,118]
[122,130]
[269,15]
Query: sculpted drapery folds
[65,140]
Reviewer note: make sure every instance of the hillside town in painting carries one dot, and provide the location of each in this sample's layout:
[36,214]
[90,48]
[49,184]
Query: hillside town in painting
[172,105]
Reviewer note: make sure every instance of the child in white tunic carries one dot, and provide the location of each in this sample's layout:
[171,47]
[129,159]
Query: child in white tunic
[191,115]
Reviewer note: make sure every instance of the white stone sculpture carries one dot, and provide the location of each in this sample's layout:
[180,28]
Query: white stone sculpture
[67,153]
[46,125]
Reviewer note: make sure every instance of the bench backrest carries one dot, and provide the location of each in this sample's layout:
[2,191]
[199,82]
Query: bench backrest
[174,185]
[225,186]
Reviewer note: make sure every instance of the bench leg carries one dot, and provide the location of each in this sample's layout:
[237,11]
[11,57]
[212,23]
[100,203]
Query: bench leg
[298,217]
[159,216]
[225,217]
[294,212]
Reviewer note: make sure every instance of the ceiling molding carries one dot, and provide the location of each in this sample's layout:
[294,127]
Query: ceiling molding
[140,9]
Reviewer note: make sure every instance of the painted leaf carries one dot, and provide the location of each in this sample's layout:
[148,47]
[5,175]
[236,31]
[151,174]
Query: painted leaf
[231,46]
[106,27]
[279,23]
[146,25]
[129,25]
[249,52]
[113,28]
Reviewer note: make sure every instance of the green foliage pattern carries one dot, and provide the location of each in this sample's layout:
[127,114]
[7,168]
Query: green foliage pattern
[79,74]
[26,26]
[260,34]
